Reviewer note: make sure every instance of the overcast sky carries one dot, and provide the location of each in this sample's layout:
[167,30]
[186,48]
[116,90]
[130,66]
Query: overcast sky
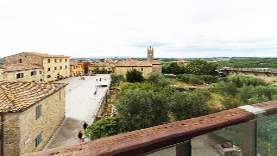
[175,28]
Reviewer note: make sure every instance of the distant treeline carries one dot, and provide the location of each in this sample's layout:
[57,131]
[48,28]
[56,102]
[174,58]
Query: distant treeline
[249,63]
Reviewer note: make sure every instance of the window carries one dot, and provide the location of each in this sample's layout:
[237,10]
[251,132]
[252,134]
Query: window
[60,60]
[49,61]
[65,60]
[48,76]
[65,66]
[38,140]
[20,60]
[49,69]
[55,68]
[19,75]
[40,72]
[61,67]
[141,69]
[33,73]
[56,60]
[38,111]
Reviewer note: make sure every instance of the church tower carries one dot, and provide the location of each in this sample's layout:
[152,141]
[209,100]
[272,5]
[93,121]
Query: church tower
[150,54]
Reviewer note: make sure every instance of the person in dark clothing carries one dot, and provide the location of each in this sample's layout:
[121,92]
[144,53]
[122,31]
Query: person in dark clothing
[85,125]
[80,135]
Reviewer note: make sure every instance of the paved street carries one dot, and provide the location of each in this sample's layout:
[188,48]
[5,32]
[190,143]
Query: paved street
[81,106]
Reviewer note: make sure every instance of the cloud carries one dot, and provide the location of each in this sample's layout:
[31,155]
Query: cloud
[177,28]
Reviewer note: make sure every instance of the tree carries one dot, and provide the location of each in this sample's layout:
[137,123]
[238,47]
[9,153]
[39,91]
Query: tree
[103,128]
[142,109]
[116,78]
[201,67]
[159,80]
[186,105]
[134,75]
[174,68]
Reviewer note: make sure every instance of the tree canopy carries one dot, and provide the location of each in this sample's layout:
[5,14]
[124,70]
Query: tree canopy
[134,75]
[142,108]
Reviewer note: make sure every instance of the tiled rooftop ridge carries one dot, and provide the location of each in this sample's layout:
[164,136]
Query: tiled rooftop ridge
[16,96]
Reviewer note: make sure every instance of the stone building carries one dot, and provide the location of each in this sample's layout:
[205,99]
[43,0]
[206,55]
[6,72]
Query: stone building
[33,66]
[146,67]
[94,67]
[121,67]
[30,115]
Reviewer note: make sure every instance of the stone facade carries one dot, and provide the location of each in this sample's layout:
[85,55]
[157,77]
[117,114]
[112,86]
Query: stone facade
[52,66]
[27,130]
[28,75]
[146,70]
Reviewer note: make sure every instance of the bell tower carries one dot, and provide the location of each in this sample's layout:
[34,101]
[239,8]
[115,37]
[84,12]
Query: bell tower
[150,54]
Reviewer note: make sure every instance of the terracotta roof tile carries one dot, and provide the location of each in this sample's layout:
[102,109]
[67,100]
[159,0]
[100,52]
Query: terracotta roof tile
[16,96]
[19,68]
[133,63]
[46,55]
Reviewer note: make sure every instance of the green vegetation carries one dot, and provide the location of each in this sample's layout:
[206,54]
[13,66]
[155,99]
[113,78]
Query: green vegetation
[159,80]
[142,109]
[116,79]
[100,71]
[249,63]
[134,76]
[186,105]
[242,90]
[103,128]
[196,67]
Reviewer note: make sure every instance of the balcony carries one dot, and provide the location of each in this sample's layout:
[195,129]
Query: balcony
[243,131]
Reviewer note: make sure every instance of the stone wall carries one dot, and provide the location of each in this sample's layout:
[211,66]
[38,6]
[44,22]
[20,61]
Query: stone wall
[157,68]
[146,71]
[58,66]
[11,76]
[1,74]
[26,58]
[21,129]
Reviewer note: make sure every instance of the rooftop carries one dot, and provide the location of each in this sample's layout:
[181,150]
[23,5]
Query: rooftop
[46,55]
[20,68]
[16,96]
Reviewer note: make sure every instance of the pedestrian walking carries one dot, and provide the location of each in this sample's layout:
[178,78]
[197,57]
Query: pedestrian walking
[80,136]
[85,125]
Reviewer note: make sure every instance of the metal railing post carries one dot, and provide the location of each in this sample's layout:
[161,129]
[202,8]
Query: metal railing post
[183,149]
